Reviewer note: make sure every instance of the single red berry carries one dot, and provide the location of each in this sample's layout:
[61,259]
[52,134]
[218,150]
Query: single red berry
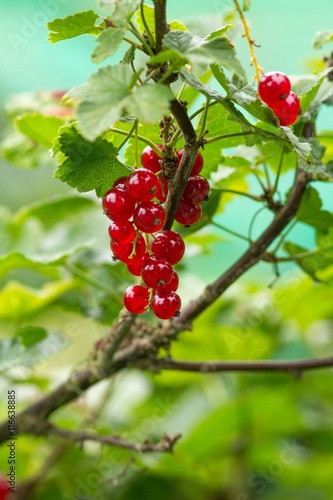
[136,263]
[196,190]
[4,492]
[197,165]
[162,191]
[172,286]
[120,183]
[122,231]
[118,205]
[136,299]
[143,185]
[127,252]
[166,304]
[288,110]
[169,245]
[149,217]
[156,272]
[151,160]
[188,214]
[274,87]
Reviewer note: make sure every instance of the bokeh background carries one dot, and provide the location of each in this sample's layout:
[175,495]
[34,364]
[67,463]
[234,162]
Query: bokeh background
[246,437]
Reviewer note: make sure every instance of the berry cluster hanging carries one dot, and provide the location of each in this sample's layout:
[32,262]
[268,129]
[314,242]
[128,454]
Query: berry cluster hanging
[275,91]
[137,237]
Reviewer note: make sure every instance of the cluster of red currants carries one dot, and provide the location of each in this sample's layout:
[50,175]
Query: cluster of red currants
[275,90]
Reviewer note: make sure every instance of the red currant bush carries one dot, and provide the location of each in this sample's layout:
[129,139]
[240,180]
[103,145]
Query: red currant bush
[136,299]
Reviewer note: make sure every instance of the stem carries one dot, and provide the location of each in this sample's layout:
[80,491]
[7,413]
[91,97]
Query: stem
[129,135]
[253,220]
[140,138]
[284,235]
[133,29]
[241,193]
[226,136]
[267,177]
[254,60]
[230,231]
[92,281]
[148,32]
[278,172]
[204,120]
[161,25]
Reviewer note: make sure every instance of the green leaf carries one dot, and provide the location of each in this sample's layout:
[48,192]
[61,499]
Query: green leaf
[301,148]
[149,103]
[197,50]
[219,32]
[18,300]
[123,10]
[109,41]
[321,38]
[30,335]
[176,25]
[22,152]
[310,211]
[149,14]
[246,4]
[40,128]
[309,264]
[87,165]
[82,23]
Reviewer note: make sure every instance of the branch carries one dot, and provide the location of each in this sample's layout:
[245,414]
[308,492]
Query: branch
[255,252]
[161,25]
[292,366]
[165,445]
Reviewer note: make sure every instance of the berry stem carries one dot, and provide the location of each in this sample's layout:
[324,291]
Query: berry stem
[230,231]
[133,29]
[140,138]
[227,136]
[129,135]
[204,120]
[254,60]
[278,173]
[241,193]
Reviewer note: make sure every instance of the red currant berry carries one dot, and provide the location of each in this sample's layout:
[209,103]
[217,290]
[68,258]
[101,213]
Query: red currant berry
[197,165]
[166,304]
[162,192]
[274,87]
[120,183]
[142,185]
[118,205]
[136,299]
[151,160]
[188,214]
[196,190]
[127,252]
[135,266]
[149,217]
[156,272]
[173,285]
[122,232]
[288,110]
[169,245]
[4,492]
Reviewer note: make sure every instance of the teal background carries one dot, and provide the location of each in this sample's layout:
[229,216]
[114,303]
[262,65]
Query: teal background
[283,29]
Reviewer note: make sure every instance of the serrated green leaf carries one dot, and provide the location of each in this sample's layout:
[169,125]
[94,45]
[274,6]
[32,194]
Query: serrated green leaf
[200,51]
[310,211]
[82,23]
[39,128]
[321,38]
[301,148]
[88,165]
[30,335]
[123,10]
[149,15]
[311,263]
[22,152]
[176,25]
[109,41]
